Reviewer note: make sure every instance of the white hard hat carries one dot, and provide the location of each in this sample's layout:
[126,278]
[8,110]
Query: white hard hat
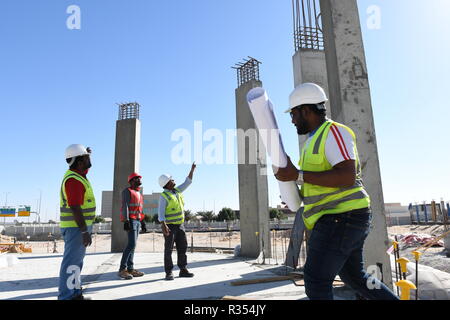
[164,179]
[307,93]
[75,150]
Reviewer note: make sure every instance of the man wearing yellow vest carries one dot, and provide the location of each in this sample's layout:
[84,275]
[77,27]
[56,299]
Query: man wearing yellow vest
[77,213]
[336,205]
[171,216]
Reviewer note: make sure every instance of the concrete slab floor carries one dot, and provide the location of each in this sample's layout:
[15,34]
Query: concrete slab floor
[35,277]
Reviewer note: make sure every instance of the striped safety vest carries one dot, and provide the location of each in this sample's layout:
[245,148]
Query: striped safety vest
[135,207]
[88,207]
[319,200]
[175,206]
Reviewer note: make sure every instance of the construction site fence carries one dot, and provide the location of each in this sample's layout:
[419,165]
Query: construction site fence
[433,213]
[43,232]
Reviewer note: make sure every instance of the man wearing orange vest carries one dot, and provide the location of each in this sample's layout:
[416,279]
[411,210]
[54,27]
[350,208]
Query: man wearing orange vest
[132,216]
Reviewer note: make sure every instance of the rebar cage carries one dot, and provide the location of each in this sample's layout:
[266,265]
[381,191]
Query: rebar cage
[307,22]
[128,110]
[247,70]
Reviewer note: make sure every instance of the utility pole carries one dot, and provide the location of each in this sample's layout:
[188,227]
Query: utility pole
[6,204]
[40,200]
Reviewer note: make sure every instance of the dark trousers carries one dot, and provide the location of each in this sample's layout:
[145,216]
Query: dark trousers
[336,248]
[128,253]
[178,236]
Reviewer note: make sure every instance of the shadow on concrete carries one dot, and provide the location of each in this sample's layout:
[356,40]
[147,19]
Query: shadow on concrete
[29,284]
[50,256]
[53,282]
[217,290]
[207,291]
[112,276]
[36,296]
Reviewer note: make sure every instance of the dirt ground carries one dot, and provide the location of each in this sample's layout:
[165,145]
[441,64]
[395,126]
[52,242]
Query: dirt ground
[434,257]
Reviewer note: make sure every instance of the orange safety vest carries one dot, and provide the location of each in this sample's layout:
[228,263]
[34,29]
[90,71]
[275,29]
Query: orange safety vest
[135,207]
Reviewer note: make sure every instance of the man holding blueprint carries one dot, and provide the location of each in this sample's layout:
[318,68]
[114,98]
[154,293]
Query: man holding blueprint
[336,205]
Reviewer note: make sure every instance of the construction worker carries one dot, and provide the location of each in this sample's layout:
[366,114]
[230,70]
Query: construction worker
[336,205]
[77,213]
[171,216]
[132,216]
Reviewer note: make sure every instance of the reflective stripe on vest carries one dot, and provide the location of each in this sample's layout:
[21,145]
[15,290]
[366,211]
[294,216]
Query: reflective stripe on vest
[88,209]
[174,210]
[319,200]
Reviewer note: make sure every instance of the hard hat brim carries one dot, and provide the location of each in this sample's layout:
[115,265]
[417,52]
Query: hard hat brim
[292,108]
[131,178]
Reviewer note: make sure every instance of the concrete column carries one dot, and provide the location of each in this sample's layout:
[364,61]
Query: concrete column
[310,66]
[350,100]
[253,187]
[126,161]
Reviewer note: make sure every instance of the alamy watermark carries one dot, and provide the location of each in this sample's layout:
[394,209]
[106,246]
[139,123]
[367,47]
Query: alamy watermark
[218,147]
[374,280]
[374,17]
[74,280]
[73,22]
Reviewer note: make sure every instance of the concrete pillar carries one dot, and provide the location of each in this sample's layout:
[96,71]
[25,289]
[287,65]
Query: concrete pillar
[350,100]
[310,66]
[253,186]
[126,161]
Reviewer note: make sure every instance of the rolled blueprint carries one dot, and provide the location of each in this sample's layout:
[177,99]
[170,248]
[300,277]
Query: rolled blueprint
[262,110]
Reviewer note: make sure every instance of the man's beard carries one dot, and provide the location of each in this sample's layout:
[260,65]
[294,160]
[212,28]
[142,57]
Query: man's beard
[302,129]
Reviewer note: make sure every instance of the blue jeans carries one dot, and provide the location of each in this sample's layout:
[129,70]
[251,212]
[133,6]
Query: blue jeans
[72,263]
[128,253]
[336,248]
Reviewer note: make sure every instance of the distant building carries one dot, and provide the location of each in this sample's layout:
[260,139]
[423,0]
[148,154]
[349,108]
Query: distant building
[151,202]
[396,214]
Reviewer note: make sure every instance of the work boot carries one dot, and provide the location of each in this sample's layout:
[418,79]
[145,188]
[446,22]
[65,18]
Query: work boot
[125,275]
[169,276]
[184,273]
[135,273]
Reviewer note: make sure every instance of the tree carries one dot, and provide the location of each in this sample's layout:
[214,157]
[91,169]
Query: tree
[99,219]
[276,214]
[148,218]
[187,215]
[226,214]
[156,219]
[207,216]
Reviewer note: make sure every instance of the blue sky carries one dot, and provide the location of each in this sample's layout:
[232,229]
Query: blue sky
[61,86]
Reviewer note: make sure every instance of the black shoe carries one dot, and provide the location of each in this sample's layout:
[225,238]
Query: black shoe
[184,273]
[169,276]
[81,297]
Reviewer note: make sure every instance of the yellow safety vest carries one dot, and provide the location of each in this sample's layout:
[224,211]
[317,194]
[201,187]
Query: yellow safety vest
[319,200]
[175,206]
[88,208]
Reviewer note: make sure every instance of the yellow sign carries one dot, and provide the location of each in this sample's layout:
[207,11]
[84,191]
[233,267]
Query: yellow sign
[24,212]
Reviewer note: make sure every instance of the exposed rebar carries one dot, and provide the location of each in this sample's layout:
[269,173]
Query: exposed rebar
[129,110]
[307,25]
[247,70]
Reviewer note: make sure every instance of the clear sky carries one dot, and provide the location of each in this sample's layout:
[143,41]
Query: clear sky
[60,86]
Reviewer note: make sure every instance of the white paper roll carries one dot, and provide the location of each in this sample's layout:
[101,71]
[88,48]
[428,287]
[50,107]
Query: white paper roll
[262,110]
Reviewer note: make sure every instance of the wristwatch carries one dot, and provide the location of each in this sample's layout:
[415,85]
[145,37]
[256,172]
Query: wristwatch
[300,180]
